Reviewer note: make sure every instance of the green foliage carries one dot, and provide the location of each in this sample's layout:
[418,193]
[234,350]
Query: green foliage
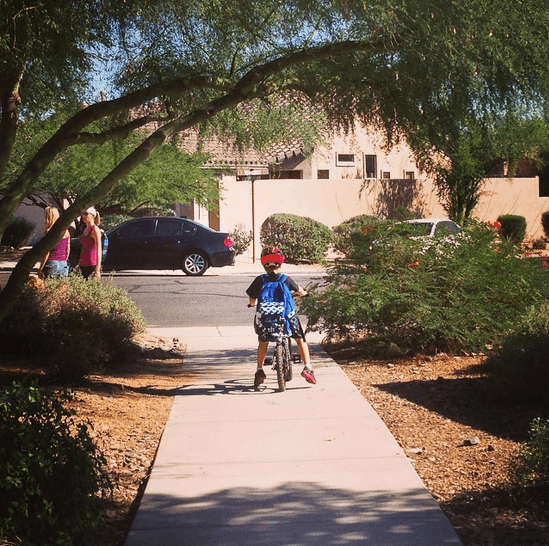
[52,473]
[529,465]
[241,239]
[513,227]
[458,185]
[346,231]
[18,232]
[519,368]
[112,220]
[457,292]
[72,327]
[301,239]
[545,223]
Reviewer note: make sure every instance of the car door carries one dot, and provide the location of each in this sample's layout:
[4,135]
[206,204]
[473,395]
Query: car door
[165,249]
[129,244]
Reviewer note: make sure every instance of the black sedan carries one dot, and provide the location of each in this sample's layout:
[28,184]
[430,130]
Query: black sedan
[167,243]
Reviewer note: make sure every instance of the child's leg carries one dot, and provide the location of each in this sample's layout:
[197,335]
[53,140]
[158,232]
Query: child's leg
[304,351]
[261,353]
[307,372]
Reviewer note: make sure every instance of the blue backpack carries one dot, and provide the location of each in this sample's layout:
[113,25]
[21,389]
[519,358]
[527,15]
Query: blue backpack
[275,306]
[104,244]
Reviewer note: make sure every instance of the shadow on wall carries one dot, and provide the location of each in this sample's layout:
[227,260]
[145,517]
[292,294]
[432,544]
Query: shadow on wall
[388,194]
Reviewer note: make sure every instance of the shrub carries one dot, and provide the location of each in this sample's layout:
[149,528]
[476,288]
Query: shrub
[51,472]
[545,223]
[72,326]
[529,465]
[301,239]
[513,227]
[519,368]
[17,232]
[346,232]
[241,239]
[539,244]
[450,293]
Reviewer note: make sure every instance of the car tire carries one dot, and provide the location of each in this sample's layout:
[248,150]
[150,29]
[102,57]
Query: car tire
[194,264]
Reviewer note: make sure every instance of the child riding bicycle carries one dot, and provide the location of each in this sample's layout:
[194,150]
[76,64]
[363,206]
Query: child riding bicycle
[262,290]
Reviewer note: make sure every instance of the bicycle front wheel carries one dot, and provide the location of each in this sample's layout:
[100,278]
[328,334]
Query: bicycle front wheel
[279,365]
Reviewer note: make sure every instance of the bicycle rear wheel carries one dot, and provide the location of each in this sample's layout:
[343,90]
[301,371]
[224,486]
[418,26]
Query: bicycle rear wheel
[288,362]
[279,365]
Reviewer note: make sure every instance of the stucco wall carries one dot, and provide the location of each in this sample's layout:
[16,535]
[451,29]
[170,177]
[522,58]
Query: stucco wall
[333,201]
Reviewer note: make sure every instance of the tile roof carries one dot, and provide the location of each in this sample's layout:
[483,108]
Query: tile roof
[224,152]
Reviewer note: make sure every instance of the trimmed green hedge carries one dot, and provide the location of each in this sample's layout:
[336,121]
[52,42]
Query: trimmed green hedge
[513,227]
[301,239]
[545,223]
[17,232]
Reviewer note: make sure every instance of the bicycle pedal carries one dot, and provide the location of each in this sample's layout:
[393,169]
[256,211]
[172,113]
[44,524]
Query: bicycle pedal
[268,361]
[296,358]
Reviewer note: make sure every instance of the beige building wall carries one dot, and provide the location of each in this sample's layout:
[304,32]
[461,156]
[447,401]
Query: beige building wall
[331,202]
[518,196]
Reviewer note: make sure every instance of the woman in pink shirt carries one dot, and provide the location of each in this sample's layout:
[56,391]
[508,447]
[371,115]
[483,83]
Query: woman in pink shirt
[90,255]
[54,262]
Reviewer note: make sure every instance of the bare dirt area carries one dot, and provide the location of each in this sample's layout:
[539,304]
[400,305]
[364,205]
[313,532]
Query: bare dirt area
[459,440]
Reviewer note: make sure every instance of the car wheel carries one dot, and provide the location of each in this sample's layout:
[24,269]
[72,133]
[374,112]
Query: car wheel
[194,263]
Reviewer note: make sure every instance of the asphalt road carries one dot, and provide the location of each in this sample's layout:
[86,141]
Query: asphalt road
[171,299]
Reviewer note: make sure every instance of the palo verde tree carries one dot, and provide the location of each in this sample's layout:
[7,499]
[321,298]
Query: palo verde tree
[182,64]
[170,175]
[469,152]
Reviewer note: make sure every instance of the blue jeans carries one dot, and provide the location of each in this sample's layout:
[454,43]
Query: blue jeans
[56,268]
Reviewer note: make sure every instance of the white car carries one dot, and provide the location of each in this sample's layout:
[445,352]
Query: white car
[431,227]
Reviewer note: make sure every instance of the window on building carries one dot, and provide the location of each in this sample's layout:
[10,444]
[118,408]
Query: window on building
[345,160]
[370,166]
[386,175]
[323,174]
[410,175]
[295,174]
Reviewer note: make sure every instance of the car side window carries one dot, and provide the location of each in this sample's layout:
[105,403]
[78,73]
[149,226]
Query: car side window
[444,228]
[168,227]
[140,228]
[189,228]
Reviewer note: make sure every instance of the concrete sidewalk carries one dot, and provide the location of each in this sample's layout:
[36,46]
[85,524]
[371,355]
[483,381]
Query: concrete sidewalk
[314,465]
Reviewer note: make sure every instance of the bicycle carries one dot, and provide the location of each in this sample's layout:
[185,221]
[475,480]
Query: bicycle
[282,360]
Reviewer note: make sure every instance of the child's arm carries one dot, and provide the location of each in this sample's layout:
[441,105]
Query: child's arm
[301,292]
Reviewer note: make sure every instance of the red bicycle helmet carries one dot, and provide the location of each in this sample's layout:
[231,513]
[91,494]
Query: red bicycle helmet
[272,257]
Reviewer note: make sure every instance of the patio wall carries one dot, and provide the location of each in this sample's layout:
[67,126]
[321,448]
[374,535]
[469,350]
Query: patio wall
[331,202]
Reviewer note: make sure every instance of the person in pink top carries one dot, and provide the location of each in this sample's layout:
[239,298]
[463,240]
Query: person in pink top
[54,262]
[90,255]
